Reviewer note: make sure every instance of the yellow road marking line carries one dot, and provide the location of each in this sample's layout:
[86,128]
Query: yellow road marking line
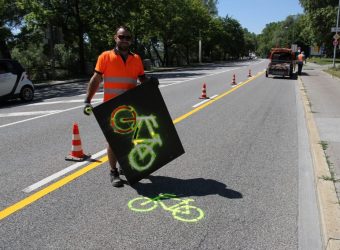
[215,99]
[36,196]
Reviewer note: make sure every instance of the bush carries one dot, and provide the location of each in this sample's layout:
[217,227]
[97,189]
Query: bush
[33,60]
[66,57]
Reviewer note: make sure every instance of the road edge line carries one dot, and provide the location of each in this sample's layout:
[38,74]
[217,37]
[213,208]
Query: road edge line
[329,209]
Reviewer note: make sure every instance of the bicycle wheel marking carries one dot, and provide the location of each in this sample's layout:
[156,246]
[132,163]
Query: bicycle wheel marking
[125,120]
[142,204]
[181,211]
[191,214]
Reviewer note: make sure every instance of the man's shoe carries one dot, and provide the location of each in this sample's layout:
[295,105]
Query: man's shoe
[115,180]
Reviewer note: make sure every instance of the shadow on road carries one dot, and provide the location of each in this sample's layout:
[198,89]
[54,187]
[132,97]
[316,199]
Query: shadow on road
[184,188]
[62,90]
[49,92]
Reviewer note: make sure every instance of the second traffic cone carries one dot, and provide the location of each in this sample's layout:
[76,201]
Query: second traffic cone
[234,80]
[76,153]
[204,92]
[249,74]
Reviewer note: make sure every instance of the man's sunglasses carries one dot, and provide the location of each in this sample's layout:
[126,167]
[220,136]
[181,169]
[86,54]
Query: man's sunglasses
[121,37]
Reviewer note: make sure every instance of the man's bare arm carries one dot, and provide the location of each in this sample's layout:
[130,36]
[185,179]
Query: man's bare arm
[93,86]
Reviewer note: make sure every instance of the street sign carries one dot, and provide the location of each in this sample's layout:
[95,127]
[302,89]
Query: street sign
[336,36]
[335,42]
[334,29]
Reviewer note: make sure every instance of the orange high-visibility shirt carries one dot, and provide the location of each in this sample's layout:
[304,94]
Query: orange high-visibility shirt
[301,57]
[119,76]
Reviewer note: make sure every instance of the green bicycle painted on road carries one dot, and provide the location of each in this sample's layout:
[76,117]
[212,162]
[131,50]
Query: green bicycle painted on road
[181,210]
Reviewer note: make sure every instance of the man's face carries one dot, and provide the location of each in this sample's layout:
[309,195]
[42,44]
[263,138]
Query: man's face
[123,39]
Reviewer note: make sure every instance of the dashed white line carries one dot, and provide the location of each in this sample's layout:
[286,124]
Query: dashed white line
[60,173]
[62,102]
[57,112]
[29,113]
[37,117]
[206,100]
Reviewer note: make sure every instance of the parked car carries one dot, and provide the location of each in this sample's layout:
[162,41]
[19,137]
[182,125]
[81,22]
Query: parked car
[14,81]
[281,62]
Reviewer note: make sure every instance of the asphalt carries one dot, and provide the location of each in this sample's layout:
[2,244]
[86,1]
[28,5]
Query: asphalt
[86,79]
[320,93]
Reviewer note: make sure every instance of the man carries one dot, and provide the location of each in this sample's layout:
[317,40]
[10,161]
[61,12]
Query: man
[300,60]
[119,68]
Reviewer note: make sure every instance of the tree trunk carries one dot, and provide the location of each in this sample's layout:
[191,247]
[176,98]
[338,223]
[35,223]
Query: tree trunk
[188,55]
[148,49]
[166,54]
[158,56]
[80,34]
[4,51]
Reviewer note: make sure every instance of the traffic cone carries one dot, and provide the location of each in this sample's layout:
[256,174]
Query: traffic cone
[76,153]
[234,80]
[249,74]
[204,92]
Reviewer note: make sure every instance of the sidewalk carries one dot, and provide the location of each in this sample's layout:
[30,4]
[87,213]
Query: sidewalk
[322,106]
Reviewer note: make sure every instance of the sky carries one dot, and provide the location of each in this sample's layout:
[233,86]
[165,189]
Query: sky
[255,14]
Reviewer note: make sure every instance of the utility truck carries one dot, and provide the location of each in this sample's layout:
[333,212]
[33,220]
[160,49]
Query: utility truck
[282,62]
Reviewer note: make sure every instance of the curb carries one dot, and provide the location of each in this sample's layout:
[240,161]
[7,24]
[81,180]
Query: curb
[329,208]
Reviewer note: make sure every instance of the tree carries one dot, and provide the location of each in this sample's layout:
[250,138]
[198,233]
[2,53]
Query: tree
[250,42]
[175,24]
[10,18]
[322,15]
[269,38]
[211,5]
[234,43]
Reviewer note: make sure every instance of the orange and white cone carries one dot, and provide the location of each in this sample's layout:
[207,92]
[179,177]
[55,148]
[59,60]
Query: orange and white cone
[76,153]
[234,80]
[249,74]
[204,92]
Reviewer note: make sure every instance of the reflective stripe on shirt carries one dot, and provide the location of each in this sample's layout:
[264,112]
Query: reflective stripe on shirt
[114,91]
[127,80]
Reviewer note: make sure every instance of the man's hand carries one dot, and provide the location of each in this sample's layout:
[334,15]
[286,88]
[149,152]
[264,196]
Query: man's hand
[88,108]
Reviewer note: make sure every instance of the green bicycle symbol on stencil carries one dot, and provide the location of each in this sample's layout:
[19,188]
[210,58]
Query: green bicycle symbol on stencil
[125,120]
[180,211]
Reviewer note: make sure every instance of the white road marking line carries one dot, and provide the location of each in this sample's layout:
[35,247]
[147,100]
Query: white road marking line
[29,113]
[176,79]
[97,93]
[160,86]
[58,102]
[206,100]
[60,173]
[37,117]
[166,85]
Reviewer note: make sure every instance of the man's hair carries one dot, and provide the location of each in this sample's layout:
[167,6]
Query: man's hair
[123,27]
